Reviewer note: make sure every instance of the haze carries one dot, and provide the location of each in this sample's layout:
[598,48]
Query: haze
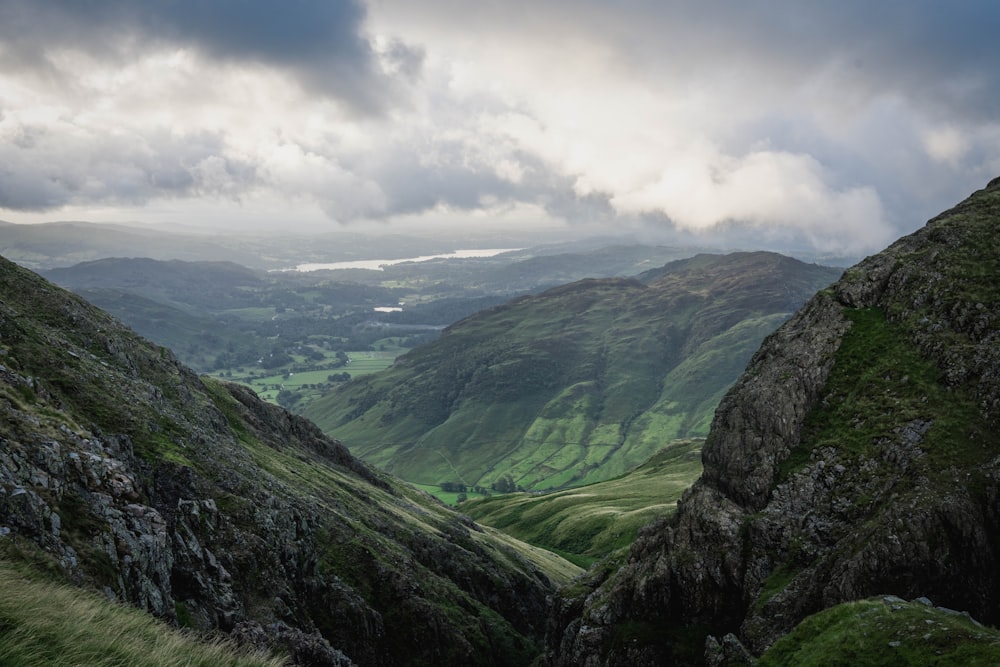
[831,126]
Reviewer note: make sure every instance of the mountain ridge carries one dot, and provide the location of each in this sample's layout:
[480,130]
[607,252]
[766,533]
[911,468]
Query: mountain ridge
[858,455]
[191,499]
[579,383]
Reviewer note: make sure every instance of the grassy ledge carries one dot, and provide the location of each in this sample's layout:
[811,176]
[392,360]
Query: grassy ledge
[885,631]
[879,381]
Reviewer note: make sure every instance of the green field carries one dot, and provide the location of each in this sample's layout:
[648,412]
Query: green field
[305,380]
[447,497]
[585,523]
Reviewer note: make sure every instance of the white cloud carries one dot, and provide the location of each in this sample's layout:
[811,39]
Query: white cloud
[946,144]
[764,189]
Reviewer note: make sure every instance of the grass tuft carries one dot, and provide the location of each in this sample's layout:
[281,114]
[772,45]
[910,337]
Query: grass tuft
[44,623]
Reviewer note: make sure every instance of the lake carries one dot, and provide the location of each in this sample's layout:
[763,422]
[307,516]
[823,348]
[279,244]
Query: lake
[377,264]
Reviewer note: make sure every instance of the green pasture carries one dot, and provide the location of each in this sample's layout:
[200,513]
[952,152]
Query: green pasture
[585,523]
[309,379]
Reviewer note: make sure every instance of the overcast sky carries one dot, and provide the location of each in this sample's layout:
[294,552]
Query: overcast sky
[837,125]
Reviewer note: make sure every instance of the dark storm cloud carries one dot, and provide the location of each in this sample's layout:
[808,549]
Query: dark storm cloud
[319,41]
[942,55]
[413,184]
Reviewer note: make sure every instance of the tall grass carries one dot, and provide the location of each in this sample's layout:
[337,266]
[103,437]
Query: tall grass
[43,623]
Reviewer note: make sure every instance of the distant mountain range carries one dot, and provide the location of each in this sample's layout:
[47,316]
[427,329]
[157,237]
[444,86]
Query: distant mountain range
[578,384]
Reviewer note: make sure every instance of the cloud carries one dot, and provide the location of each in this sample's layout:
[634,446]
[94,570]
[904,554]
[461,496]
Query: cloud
[51,165]
[840,125]
[318,41]
[765,189]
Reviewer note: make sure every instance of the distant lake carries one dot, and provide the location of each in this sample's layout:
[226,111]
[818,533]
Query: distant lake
[377,264]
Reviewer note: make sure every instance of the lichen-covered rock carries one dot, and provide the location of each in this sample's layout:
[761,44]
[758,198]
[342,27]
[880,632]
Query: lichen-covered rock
[858,455]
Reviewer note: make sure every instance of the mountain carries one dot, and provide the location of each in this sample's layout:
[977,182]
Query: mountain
[124,472]
[47,245]
[578,384]
[858,456]
[197,287]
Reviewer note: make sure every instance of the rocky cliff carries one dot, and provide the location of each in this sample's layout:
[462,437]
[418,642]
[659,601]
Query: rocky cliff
[125,472]
[858,455]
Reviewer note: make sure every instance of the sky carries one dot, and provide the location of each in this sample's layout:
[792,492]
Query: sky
[836,126]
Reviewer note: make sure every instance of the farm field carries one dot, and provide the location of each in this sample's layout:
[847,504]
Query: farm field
[305,379]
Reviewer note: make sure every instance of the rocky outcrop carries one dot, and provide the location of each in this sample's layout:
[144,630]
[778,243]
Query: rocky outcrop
[858,455]
[194,500]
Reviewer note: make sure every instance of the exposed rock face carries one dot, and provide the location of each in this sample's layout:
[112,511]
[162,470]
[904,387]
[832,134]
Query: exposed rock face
[858,455]
[194,500]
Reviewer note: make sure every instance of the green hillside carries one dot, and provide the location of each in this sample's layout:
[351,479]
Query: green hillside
[576,385]
[587,522]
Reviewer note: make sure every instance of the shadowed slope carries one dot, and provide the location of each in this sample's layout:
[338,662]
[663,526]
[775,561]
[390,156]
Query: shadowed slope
[858,455]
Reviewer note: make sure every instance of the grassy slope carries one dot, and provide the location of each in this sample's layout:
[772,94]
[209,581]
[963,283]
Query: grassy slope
[885,631]
[576,385]
[588,522]
[341,494]
[45,623]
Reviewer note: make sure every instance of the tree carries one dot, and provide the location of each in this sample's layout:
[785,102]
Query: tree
[287,399]
[504,485]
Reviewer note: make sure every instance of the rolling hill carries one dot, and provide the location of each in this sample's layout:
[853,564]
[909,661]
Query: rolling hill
[578,384]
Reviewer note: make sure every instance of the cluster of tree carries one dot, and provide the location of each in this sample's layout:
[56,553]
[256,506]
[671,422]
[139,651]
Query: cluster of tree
[275,359]
[502,485]
[505,485]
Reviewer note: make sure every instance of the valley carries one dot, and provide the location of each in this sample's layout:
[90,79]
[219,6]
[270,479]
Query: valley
[587,523]
[815,456]
[576,384]
[293,336]
[385,333]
